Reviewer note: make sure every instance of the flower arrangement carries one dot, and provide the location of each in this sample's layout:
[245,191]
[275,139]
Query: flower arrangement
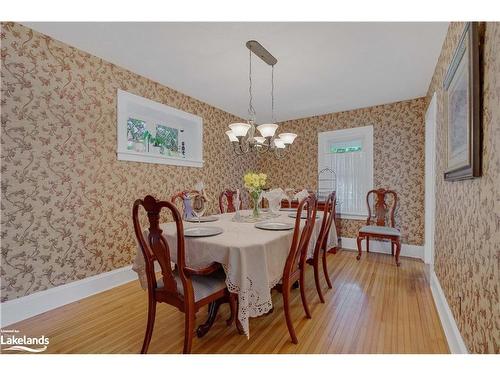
[255,182]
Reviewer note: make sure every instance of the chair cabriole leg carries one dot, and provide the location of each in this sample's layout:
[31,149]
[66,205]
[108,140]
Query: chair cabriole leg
[398,251]
[316,277]
[286,308]
[358,241]
[303,294]
[188,331]
[325,270]
[149,326]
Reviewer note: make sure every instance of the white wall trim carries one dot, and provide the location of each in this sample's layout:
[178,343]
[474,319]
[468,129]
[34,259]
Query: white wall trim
[430,180]
[26,307]
[453,336]
[412,251]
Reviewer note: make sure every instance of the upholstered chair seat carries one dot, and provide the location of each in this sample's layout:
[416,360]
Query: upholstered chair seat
[386,231]
[203,286]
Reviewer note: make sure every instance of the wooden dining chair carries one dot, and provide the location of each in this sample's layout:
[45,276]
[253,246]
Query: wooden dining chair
[186,288]
[321,246]
[376,225]
[181,196]
[228,196]
[294,269]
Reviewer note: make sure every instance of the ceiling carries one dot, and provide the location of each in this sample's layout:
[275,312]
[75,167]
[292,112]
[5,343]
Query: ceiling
[322,67]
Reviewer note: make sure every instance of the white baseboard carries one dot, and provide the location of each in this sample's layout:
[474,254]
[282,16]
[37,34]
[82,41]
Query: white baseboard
[412,251]
[453,336]
[40,302]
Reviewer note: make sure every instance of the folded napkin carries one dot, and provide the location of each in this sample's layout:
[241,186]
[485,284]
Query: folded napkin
[188,208]
[274,198]
[301,195]
[187,199]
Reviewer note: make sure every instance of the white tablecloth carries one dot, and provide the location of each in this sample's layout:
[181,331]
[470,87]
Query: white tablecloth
[252,258]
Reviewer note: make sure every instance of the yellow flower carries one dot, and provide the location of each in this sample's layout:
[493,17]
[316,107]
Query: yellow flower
[254,181]
[262,179]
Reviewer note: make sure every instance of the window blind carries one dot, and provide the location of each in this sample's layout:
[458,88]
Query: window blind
[349,153]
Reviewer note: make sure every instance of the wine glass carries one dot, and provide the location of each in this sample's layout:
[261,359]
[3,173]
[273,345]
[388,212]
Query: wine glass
[199,206]
[237,204]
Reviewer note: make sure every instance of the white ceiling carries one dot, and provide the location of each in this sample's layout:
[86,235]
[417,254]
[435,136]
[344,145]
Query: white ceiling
[322,67]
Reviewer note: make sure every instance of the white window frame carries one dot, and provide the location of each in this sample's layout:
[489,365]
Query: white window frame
[365,133]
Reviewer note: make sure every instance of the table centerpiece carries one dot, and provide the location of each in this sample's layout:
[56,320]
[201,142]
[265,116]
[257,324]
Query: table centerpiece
[254,183]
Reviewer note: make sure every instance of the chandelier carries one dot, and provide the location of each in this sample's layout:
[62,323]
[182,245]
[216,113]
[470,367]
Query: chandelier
[242,135]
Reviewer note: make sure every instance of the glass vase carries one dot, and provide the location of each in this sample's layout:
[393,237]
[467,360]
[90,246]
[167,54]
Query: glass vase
[256,196]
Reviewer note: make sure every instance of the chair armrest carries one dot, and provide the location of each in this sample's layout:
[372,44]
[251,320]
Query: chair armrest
[213,267]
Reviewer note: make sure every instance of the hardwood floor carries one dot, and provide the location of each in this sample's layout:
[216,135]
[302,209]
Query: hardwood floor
[374,307]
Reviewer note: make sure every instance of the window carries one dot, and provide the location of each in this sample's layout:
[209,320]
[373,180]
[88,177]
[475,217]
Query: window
[349,153]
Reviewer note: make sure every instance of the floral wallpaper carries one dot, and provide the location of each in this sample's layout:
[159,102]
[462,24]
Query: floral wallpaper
[467,239]
[66,200]
[398,159]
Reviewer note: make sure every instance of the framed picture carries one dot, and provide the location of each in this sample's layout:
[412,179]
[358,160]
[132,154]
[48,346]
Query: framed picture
[152,132]
[462,108]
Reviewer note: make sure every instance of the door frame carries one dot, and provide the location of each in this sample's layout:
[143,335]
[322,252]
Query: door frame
[430,180]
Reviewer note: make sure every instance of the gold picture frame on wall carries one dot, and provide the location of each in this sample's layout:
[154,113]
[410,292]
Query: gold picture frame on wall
[462,108]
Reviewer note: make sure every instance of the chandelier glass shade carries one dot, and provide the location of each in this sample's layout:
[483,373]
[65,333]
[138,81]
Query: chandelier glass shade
[239,129]
[267,130]
[288,138]
[243,136]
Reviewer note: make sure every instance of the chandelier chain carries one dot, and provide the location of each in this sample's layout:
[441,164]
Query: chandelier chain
[251,110]
[242,136]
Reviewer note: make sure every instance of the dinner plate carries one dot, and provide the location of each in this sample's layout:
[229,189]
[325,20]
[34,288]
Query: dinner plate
[202,231]
[203,219]
[274,226]
[303,216]
[288,209]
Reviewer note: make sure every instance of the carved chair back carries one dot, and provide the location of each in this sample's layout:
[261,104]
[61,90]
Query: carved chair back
[154,247]
[229,196]
[301,236]
[382,211]
[326,223]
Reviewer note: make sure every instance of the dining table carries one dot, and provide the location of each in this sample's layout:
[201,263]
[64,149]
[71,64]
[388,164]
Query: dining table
[253,259]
